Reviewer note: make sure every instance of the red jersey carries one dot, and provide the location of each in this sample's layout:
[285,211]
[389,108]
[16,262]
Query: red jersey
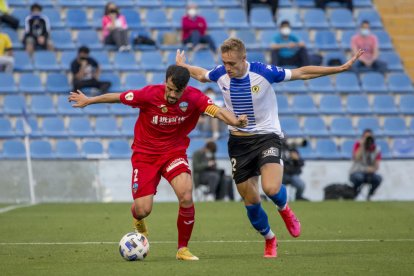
[190,24]
[162,127]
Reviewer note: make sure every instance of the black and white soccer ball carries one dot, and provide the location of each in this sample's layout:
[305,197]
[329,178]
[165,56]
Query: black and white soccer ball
[134,247]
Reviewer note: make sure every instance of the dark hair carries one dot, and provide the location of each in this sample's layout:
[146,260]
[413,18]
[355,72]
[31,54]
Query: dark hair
[284,22]
[107,10]
[364,22]
[83,49]
[367,130]
[211,146]
[179,76]
[36,6]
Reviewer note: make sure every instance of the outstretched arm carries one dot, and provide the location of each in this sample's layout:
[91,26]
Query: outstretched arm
[311,72]
[196,72]
[230,119]
[81,100]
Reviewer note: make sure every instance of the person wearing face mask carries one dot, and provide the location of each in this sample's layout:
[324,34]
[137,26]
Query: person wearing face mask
[205,124]
[206,173]
[369,42]
[115,28]
[194,30]
[37,30]
[288,49]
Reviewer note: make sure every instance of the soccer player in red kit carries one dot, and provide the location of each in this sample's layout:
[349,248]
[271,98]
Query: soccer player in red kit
[168,113]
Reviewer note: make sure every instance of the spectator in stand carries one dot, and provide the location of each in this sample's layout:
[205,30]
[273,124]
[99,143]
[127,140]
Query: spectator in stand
[205,123]
[37,30]
[369,42]
[6,54]
[322,3]
[273,4]
[194,30]
[5,16]
[288,49]
[86,72]
[115,28]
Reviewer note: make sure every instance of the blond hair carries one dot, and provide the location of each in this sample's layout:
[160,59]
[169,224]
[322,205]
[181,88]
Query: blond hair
[233,44]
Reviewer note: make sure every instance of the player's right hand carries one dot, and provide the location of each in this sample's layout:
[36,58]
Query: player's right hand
[79,98]
[243,121]
[180,57]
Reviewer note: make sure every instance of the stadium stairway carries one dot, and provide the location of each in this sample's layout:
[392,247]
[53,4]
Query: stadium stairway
[398,18]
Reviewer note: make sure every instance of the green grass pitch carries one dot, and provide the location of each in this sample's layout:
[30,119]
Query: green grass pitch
[354,238]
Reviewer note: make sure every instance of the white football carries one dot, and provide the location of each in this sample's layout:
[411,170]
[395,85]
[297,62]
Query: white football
[134,246]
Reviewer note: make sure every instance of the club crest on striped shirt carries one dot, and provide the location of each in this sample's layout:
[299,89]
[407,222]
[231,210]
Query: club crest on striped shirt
[183,106]
[255,89]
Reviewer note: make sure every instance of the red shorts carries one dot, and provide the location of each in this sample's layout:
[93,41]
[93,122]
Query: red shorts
[147,170]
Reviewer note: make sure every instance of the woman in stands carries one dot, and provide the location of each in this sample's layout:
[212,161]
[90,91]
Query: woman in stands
[115,28]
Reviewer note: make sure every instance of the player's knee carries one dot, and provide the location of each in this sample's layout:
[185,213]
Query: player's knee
[185,198]
[272,189]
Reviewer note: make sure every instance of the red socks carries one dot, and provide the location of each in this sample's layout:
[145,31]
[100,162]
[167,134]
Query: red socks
[185,223]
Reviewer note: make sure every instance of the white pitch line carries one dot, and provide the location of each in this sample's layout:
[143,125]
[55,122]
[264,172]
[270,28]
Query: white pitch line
[13,207]
[219,241]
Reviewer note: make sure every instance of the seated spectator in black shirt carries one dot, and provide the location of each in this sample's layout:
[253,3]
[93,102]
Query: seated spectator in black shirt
[86,72]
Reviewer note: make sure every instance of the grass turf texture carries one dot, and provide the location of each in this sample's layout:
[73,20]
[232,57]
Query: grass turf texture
[336,225]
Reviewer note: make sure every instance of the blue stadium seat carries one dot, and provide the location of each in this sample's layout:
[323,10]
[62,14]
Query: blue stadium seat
[127,126]
[266,38]
[97,110]
[384,104]
[6,130]
[92,149]
[315,19]
[227,3]
[57,83]
[121,109]
[90,39]
[106,127]
[152,61]
[135,81]
[203,4]
[411,126]
[195,144]
[363,4]
[62,40]
[395,126]
[173,3]
[285,3]
[304,36]
[70,3]
[290,126]
[125,61]
[55,18]
[148,4]
[133,19]
[103,60]
[31,83]
[283,105]
[384,40]
[64,107]
[66,59]
[114,79]
[369,123]
[204,59]
[119,149]
[157,19]
[331,104]
[257,56]
[290,14]
[22,61]
[372,16]
[165,43]
[400,83]
[18,3]
[21,14]
[297,86]
[45,61]
[385,148]
[124,3]
[80,127]
[325,40]
[314,126]
[32,124]
[77,19]
[67,149]
[358,104]
[407,104]
[222,148]
[235,18]
[307,152]
[249,38]
[213,19]
[54,127]
[345,41]
[393,61]
[321,85]
[7,84]
[342,19]
[94,3]
[17,44]
[14,149]
[335,55]
[177,16]
[327,149]
[41,149]
[342,126]
[403,148]
[303,104]
[347,148]
[13,104]
[347,83]
[42,105]
[96,21]
[218,36]
[158,78]
[304,3]
[261,17]
[373,82]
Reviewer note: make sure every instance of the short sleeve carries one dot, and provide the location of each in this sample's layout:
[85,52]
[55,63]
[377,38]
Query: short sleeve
[271,72]
[202,101]
[216,73]
[135,98]
[8,44]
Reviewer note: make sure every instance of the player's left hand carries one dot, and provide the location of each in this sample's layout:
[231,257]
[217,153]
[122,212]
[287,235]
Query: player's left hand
[243,121]
[79,98]
[180,57]
[346,66]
